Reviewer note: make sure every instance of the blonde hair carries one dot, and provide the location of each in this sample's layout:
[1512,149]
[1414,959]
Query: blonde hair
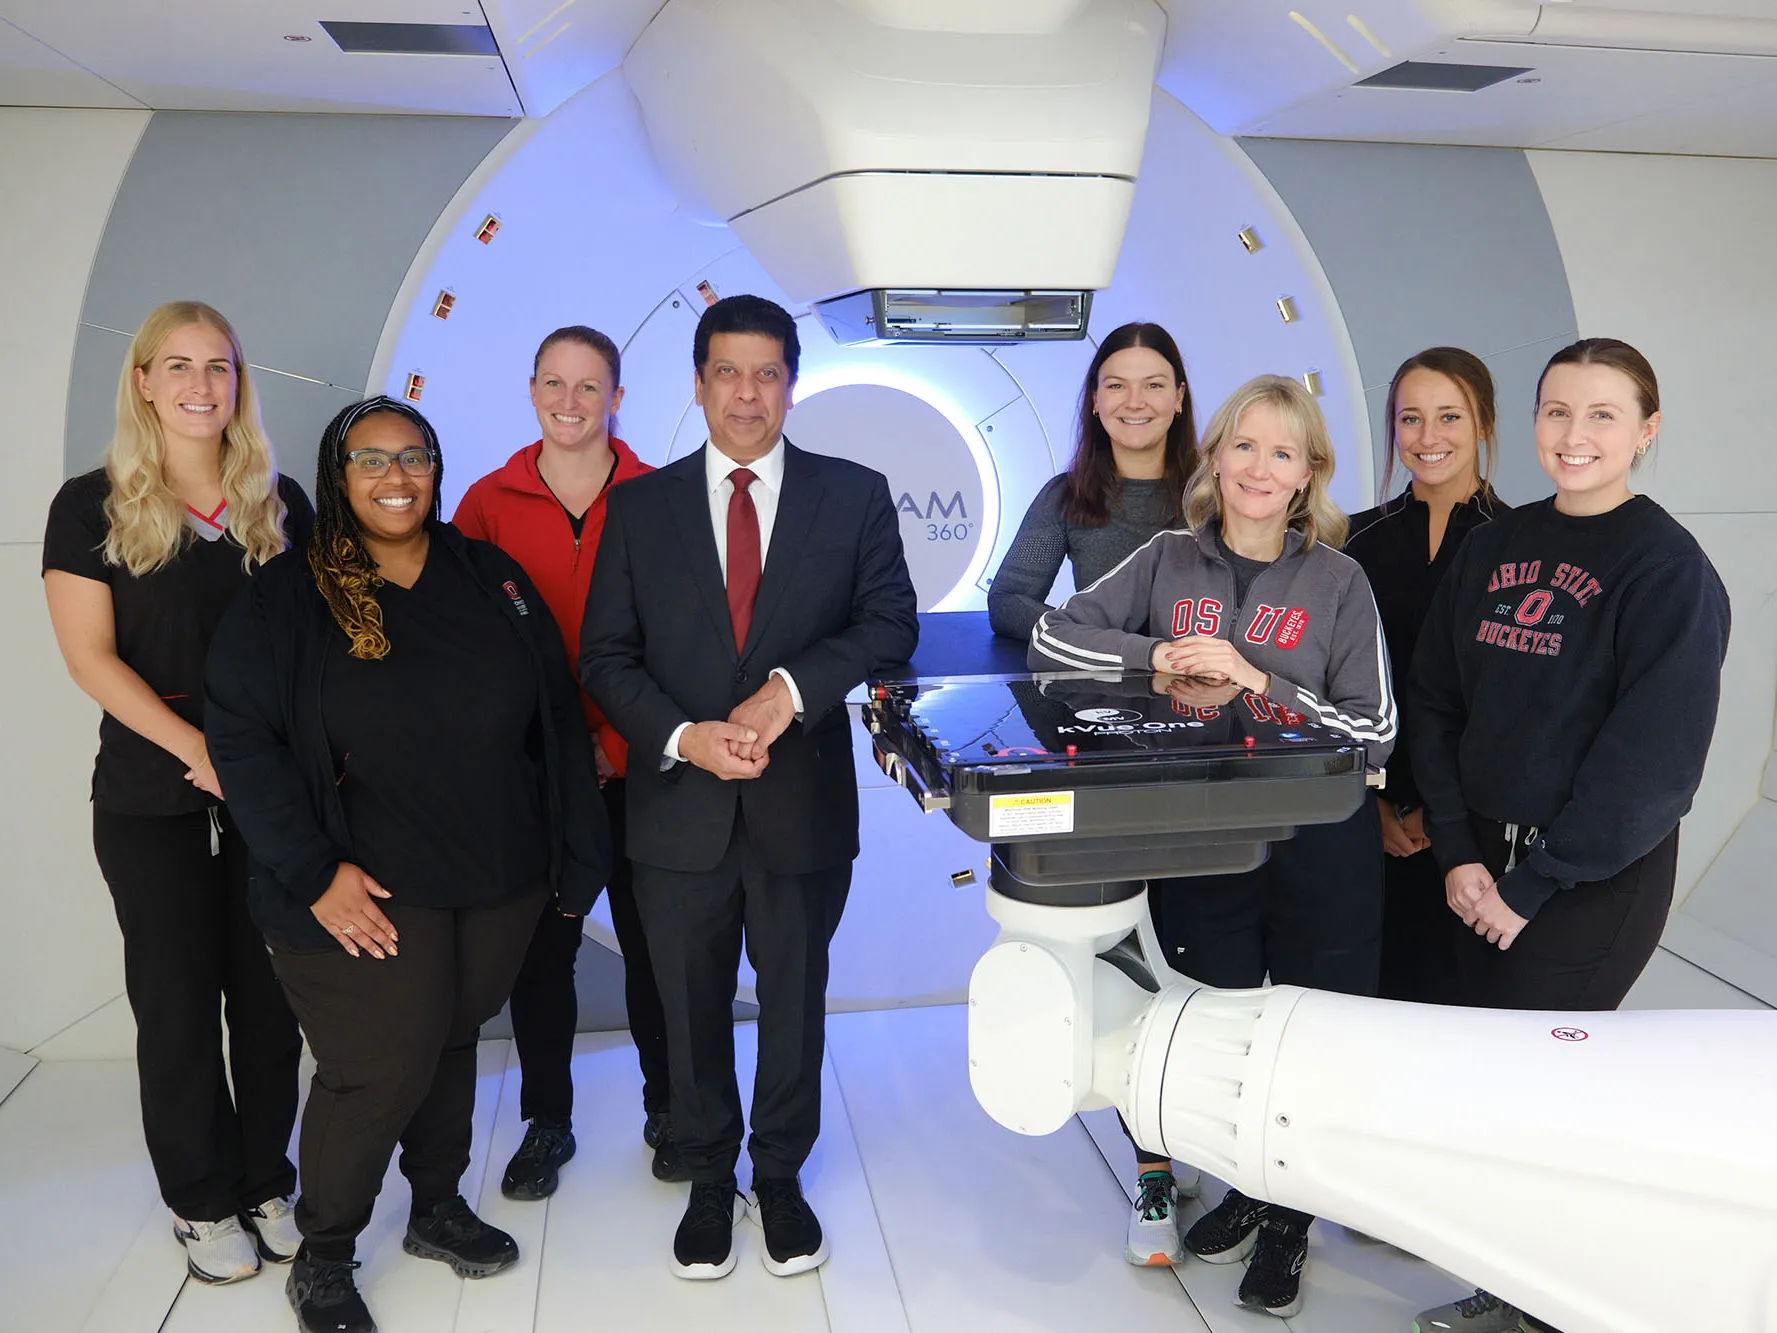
[1312,511]
[147,521]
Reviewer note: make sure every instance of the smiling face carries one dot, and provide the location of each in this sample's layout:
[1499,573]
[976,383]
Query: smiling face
[1136,398]
[191,382]
[1588,428]
[1263,466]
[574,395]
[744,390]
[1435,430]
[391,508]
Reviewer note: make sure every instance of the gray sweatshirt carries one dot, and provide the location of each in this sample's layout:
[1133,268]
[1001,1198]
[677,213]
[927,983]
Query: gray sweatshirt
[1309,620]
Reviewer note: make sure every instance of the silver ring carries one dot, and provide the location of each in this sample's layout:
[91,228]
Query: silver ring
[349,929]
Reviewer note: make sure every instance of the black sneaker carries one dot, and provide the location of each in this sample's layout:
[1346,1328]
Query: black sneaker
[654,1128]
[703,1246]
[794,1242]
[1273,1281]
[452,1234]
[1225,1234]
[325,1297]
[535,1169]
[669,1162]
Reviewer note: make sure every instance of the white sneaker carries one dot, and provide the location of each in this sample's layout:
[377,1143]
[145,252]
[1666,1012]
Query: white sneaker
[1153,1224]
[216,1252]
[273,1224]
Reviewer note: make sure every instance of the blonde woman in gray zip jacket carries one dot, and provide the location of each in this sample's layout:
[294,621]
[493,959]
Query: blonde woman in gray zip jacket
[1256,596]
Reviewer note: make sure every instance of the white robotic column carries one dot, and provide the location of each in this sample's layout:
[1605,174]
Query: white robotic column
[1612,1172]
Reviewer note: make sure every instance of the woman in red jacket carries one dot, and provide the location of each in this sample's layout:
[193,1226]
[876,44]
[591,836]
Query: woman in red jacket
[546,508]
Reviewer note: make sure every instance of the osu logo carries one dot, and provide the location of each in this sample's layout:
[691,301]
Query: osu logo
[1109,715]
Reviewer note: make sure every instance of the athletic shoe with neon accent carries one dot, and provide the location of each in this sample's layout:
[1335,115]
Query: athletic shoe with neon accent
[1226,1233]
[1153,1222]
[217,1252]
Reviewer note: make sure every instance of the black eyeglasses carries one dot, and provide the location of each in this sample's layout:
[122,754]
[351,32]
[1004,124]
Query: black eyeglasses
[375,462]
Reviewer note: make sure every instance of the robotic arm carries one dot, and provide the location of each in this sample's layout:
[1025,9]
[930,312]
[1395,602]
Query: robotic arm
[1614,1172]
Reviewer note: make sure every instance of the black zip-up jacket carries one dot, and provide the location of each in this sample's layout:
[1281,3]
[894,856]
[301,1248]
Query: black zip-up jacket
[266,736]
[1566,681]
[1390,542]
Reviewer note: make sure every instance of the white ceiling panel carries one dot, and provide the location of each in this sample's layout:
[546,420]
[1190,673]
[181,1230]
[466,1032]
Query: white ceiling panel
[1627,99]
[32,74]
[234,56]
[554,48]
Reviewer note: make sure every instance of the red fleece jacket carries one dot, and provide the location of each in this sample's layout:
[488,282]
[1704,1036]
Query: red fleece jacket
[513,508]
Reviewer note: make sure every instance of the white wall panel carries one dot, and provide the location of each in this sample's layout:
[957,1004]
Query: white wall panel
[59,171]
[59,954]
[1673,255]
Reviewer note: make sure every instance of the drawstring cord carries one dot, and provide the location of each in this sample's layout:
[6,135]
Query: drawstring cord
[1512,842]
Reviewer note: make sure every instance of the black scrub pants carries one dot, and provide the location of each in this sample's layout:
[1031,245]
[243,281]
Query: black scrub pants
[1419,932]
[394,1044]
[1584,949]
[1310,916]
[545,1006]
[695,924]
[191,956]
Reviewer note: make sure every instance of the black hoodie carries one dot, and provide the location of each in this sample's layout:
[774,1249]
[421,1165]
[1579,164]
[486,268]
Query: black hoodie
[1567,680]
[266,735]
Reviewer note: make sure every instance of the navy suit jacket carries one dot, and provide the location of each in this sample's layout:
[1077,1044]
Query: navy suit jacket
[835,603]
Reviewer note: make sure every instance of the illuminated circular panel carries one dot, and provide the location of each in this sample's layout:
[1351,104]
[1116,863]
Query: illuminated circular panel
[933,475]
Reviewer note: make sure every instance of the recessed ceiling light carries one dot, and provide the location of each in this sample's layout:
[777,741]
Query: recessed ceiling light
[297,37]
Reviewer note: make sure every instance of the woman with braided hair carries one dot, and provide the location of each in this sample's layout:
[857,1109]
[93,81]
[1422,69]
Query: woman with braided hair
[404,747]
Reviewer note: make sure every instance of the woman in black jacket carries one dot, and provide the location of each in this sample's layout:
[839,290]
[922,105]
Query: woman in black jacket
[1439,421]
[404,749]
[1562,701]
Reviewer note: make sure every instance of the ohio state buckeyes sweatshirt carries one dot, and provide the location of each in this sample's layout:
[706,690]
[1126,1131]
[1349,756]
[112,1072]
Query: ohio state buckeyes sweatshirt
[1567,680]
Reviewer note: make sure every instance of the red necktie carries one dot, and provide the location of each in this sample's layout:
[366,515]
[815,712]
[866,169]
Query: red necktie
[743,554]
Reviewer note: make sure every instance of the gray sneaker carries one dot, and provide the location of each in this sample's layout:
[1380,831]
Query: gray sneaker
[1481,1313]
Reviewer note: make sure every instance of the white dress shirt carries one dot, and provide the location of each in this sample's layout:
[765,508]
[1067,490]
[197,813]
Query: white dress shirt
[768,485]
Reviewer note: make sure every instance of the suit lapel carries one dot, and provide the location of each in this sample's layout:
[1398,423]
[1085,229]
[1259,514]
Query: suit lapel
[796,508]
[697,540]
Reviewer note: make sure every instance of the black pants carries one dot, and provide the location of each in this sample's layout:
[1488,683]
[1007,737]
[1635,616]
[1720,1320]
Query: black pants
[1587,945]
[1419,932]
[1310,916]
[191,955]
[394,1043]
[695,925]
[545,1007]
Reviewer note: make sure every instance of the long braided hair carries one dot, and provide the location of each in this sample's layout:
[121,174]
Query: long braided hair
[343,569]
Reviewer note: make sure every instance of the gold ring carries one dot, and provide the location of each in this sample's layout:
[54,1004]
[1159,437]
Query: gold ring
[349,929]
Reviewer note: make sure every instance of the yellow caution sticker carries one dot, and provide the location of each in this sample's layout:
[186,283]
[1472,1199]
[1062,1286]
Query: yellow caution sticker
[1030,814]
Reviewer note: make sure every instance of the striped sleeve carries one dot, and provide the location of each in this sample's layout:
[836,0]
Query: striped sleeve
[1103,627]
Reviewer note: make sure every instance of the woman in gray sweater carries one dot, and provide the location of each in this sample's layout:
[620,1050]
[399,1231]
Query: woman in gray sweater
[1136,449]
[1257,598]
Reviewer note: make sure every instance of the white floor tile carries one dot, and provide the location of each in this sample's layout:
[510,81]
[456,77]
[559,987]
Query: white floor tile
[607,1256]
[14,1065]
[75,1190]
[986,1229]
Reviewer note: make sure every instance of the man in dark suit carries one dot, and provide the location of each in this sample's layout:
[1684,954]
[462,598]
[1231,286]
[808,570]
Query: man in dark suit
[738,594]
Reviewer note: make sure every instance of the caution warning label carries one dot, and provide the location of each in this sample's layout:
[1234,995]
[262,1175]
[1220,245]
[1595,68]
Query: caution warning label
[1031,813]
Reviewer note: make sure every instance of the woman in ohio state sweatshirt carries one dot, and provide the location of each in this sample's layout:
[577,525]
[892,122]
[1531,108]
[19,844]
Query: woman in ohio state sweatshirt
[1258,595]
[1563,697]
